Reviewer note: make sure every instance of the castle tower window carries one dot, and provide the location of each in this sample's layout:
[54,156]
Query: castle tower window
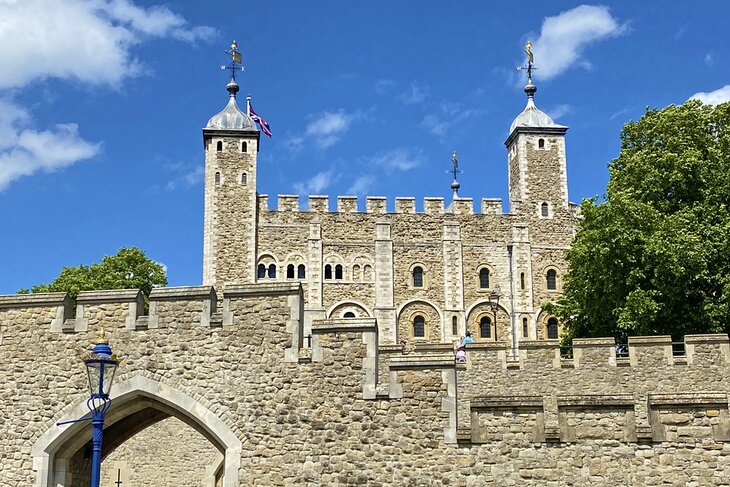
[290,271]
[349,314]
[301,272]
[419,326]
[418,276]
[552,329]
[454,325]
[244,179]
[544,210]
[541,143]
[524,327]
[367,272]
[219,146]
[244,147]
[328,271]
[356,272]
[261,271]
[484,278]
[338,271]
[485,327]
[217,179]
[551,278]
[272,271]
[522,280]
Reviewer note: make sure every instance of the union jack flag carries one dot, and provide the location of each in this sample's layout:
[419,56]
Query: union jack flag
[262,123]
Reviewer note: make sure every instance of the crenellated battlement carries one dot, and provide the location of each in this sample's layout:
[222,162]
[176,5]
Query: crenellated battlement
[199,305]
[380,204]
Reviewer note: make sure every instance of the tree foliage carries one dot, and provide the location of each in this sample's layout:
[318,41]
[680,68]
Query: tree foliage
[130,268]
[654,256]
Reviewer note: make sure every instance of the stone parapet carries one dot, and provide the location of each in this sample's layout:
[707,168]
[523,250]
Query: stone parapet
[60,306]
[108,308]
[201,300]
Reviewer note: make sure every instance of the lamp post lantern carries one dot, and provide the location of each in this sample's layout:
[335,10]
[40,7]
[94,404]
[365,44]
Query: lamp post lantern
[494,305]
[101,364]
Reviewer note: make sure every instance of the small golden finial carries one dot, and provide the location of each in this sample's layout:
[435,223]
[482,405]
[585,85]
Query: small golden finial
[101,336]
[528,50]
[234,46]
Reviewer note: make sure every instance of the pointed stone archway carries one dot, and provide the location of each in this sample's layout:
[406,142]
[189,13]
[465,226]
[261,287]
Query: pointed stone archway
[137,403]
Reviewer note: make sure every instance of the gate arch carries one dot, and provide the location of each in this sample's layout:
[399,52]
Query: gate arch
[53,450]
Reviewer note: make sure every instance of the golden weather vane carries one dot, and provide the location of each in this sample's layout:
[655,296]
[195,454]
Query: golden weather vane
[236,60]
[530,62]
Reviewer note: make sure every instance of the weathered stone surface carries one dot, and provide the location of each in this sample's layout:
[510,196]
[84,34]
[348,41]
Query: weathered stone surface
[329,417]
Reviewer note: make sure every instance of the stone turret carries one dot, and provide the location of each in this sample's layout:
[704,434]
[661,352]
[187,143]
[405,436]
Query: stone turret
[231,142]
[538,180]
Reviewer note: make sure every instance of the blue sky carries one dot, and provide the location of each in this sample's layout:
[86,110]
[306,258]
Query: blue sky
[102,103]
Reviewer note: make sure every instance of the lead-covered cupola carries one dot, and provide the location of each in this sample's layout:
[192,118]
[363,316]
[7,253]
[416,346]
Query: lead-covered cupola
[232,117]
[532,119]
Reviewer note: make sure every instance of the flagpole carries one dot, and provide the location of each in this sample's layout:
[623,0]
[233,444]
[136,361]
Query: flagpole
[248,105]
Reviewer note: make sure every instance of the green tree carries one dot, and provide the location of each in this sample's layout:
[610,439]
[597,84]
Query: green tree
[130,268]
[654,256]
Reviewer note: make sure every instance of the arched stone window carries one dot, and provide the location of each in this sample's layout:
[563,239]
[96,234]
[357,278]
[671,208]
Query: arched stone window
[418,276]
[301,271]
[244,179]
[541,143]
[261,271]
[544,210]
[484,278]
[349,314]
[367,272]
[219,146]
[552,329]
[328,271]
[290,271]
[454,325]
[485,327]
[338,271]
[522,280]
[525,330]
[551,277]
[356,272]
[272,271]
[419,326]
[244,146]
[217,178]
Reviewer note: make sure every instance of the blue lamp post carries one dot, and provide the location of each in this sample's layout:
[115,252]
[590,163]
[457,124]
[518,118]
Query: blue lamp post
[101,364]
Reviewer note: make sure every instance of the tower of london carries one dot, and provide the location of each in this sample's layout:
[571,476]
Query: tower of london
[427,276]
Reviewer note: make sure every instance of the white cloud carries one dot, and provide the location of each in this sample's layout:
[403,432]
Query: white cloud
[448,115]
[709,60]
[564,37]
[24,151]
[185,175]
[88,41]
[324,128]
[721,95]
[316,184]
[361,184]
[401,159]
[414,94]
[559,111]
[397,160]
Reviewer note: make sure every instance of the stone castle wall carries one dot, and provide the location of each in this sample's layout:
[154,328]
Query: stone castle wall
[370,248]
[347,411]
